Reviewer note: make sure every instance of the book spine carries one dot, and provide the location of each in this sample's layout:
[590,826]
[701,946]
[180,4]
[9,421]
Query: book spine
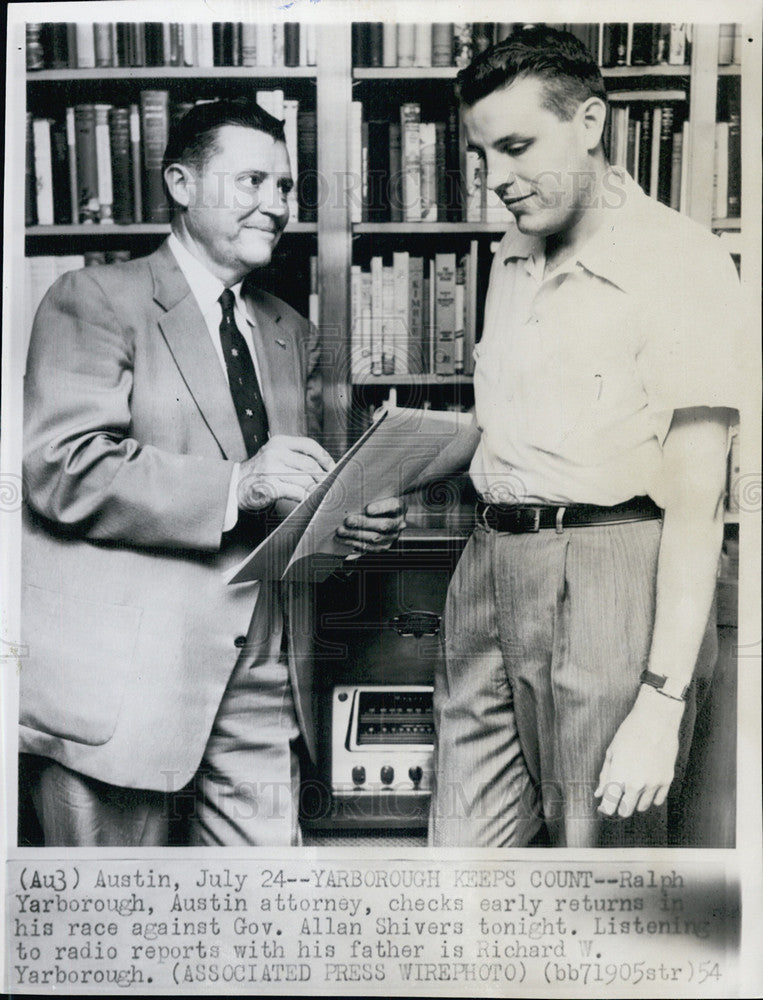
[311,44]
[482,36]
[154,35]
[388,323]
[470,323]
[645,150]
[389,44]
[189,44]
[123,45]
[410,119]
[505,28]
[307,182]
[138,34]
[459,308]
[473,186]
[442,44]
[71,143]
[206,45]
[30,182]
[85,46]
[378,172]
[445,313]
[375,43]
[406,45]
[71,45]
[725,44]
[401,312]
[377,308]
[735,163]
[428,183]
[59,46]
[248,44]
[264,44]
[290,120]
[666,153]
[104,44]
[221,57]
[675,170]
[103,164]
[395,174]
[119,136]
[173,52]
[355,186]
[721,183]
[291,43]
[441,181]
[463,46]
[136,163]
[677,45]
[654,163]
[87,167]
[416,304]
[59,148]
[357,358]
[422,45]
[278,45]
[35,54]
[453,178]
[154,114]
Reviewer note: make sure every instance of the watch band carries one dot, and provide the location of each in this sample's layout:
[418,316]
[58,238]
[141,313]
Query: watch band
[663,685]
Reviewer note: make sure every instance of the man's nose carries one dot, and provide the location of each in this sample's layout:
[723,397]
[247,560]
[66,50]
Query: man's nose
[499,175]
[272,198]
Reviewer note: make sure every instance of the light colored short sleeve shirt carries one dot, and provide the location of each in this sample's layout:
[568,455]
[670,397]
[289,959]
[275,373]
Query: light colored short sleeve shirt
[579,370]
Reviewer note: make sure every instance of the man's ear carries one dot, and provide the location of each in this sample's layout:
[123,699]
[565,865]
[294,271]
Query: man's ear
[180,183]
[593,115]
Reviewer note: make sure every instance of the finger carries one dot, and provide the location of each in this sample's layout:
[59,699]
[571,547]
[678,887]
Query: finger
[390,506]
[377,525]
[628,802]
[357,536]
[289,459]
[646,799]
[603,775]
[611,794]
[661,795]
[307,446]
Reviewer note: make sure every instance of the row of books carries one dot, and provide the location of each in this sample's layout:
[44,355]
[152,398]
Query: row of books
[414,315]
[103,164]
[408,45]
[85,45]
[648,140]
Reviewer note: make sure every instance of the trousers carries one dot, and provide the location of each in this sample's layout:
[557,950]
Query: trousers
[546,636]
[245,792]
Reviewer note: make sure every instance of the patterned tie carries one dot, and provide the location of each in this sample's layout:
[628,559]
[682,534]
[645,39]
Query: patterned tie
[242,379]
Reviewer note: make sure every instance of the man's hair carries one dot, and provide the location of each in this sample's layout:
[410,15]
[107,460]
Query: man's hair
[193,137]
[569,73]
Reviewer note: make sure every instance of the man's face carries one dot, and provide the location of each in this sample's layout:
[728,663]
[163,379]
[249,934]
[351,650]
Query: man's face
[237,208]
[537,164]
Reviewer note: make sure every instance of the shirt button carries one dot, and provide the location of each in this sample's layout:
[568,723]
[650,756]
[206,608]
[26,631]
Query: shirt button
[240,641]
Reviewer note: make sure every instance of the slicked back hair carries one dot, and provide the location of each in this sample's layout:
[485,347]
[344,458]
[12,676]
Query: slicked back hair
[569,73]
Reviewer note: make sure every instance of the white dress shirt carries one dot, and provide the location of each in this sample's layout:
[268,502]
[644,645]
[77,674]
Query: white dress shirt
[207,289]
[580,369]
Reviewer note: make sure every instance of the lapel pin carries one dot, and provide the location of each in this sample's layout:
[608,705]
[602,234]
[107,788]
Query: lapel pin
[281,343]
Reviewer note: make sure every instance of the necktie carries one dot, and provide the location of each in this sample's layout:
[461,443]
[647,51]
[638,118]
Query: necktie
[242,379]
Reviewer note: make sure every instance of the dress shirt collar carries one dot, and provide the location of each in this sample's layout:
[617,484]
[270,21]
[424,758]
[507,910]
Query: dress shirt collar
[613,252]
[205,286]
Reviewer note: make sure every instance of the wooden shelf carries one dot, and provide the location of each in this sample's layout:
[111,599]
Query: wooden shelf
[270,73]
[646,95]
[733,70]
[730,225]
[661,70]
[371,381]
[97,231]
[429,228]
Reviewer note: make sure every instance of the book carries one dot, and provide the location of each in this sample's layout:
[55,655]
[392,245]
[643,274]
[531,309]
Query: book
[395,174]
[365,324]
[683,197]
[459,311]
[725,44]
[43,171]
[642,44]
[355,180]
[206,45]
[463,45]
[675,171]
[71,145]
[121,165]
[422,45]
[309,33]
[86,159]
[375,43]
[401,312]
[35,54]
[154,118]
[389,323]
[59,152]
[377,308]
[359,362]
[442,44]
[473,186]
[406,45]
[189,44]
[136,163]
[291,43]
[666,152]
[410,153]
[378,187]
[428,182]
[614,44]
[103,163]
[264,44]
[453,178]
[721,171]
[59,45]
[441,184]
[104,44]
[645,150]
[307,175]
[654,162]
[278,45]
[677,45]
[389,44]
[443,333]
[290,119]
[30,182]
[85,46]
[416,315]
[734,205]
[482,36]
[248,43]
[470,318]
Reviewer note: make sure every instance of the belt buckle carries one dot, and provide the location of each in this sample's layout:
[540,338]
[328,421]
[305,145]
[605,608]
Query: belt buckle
[535,511]
[526,520]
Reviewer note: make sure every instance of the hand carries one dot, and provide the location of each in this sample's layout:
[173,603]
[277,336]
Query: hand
[640,760]
[286,468]
[376,529]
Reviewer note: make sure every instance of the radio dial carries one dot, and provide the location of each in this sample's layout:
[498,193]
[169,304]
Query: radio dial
[415,774]
[387,774]
[358,774]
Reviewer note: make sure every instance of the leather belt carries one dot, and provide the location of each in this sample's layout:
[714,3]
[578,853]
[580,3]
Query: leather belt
[518,519]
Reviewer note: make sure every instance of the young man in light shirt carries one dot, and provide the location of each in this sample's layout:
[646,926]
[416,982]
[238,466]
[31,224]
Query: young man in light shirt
[604,386]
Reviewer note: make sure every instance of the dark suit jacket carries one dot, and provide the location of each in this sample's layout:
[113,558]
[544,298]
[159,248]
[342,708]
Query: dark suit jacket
[130,440]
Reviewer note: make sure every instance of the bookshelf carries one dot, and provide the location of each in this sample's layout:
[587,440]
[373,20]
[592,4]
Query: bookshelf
[700,88]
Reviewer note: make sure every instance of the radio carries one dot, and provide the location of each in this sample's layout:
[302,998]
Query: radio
[382,740]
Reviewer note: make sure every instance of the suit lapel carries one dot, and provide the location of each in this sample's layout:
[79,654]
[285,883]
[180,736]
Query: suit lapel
[279,367]
[187,337]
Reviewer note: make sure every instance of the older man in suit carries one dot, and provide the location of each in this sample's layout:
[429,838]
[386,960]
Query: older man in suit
[171,410]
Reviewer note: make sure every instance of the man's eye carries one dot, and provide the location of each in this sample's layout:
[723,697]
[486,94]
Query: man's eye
[253,180]
[517,149]
[285,186]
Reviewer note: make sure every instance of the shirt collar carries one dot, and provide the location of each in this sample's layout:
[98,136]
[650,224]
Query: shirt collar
[613,252]
[205,286]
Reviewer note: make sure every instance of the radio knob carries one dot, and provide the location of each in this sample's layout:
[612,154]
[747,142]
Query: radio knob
[358,774]
[415,774]
[387,774]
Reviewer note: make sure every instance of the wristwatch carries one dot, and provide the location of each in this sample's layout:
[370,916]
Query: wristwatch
[665,685]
